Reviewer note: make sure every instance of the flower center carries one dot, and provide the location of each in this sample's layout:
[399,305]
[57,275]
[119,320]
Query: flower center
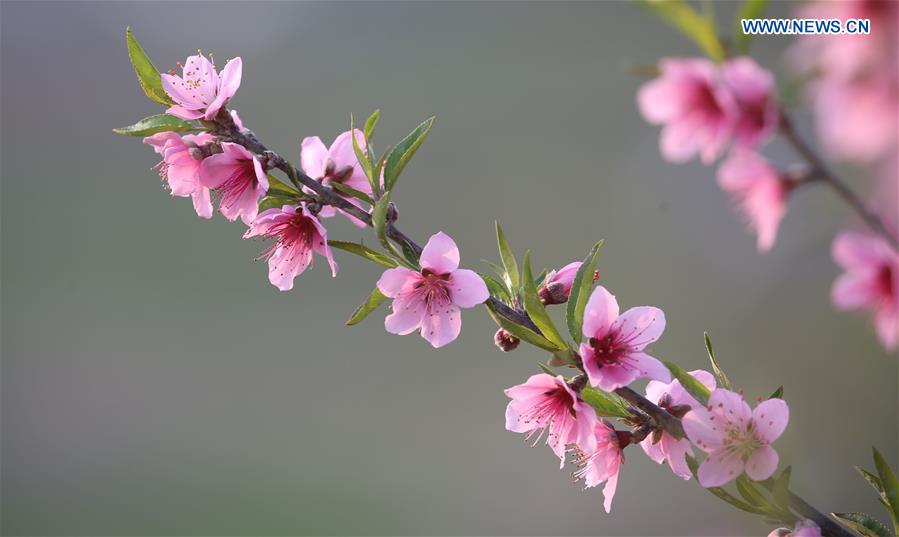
[608,350]
[885,280]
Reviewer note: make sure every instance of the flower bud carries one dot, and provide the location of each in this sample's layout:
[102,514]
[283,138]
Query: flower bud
[557,285]
[505,341]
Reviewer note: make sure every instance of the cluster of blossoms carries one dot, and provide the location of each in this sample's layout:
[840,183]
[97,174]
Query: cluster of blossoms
[707,107]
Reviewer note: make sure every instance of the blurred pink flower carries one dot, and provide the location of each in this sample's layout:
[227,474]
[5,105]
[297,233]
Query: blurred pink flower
[602,463]
[557,285]
[547,405]
[675,399]
[613,353]
[753,89]
[758,193]
[337,164]
[239,179]
[430,300]
[803,528]
[697,110]
[871,281]
[180,170]
[297,234]
[201,92]
[736,438]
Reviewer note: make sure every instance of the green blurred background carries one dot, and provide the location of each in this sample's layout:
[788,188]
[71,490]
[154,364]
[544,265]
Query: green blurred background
[154,382]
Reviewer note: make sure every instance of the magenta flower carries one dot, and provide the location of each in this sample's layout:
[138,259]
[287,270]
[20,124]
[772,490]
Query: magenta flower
[758,193]
[430,300]
[803,528]
[239,179]
[297,234]
[697,111]
[337,164]
[613,354]
[871,281]
[180,170]
[602,463]
[753,89]
[675,399]
[201,92]
[557,285]
[546,404]
[736,438]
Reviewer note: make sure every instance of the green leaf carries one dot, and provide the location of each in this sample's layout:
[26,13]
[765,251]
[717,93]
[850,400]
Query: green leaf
[722,494]
[371,304]
[379,221]
[700,29]
[778,393]
[723,382]
[781,490]
[890,487]
[496,288]
[580,292]
[522,333]
[352,192]
[535,308]
[501,274]
[401,154]
[364,251]
[363,159]
[278,187]
[693,386]
[752,9]
[872,480]
[508,258]
[155,124]
[275,202]
[546,369]
[751,494]
[865,525]
[606,404]
[370,124]
[146,72]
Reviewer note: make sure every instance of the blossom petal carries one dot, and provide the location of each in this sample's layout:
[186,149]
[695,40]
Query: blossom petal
[467,289]
[313,157]
[730,406]
[676,454]
[886,322]
[441,325]
[720,467]
[600,313]
[855,289]
[440,255]
[608,492]
[854,249]
[343,154]
[202,203]
[406,317]
[648,367]
[700,429]
[770,419]
[762,463]
[536,384]
[653,451]
[639,326]
[183,113]
[395,281]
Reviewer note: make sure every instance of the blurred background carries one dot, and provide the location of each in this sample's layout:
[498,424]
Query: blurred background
[155,383]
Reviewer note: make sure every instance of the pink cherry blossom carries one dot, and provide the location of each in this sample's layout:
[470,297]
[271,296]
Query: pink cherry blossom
[297,234]
[871,281]
[753,89]
[803,528]
[613,354]
[698,112]
[239,179]
[546,404]
[736,438]
[201,92]
[675,399]
[337,164]
[180,169]
[430,300]
[758,193]
[602,463]
[557,285]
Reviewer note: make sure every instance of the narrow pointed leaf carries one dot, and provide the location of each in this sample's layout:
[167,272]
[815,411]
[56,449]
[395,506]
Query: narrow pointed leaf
[723,382]
[374,300]
[700,29]
[363,159]
[752,9]
[546,369]
[147,73]
[722,494]
[364,251]
[496,288]
[875,483]
[580,292]
[865,525]
[519,331]
[535,308]
[155,124]
[781,490]
[275,202]
[277,186]
[778,393]
[507,257]
[606,404]
[890,487]
[401,154]
[502,274]
[693,386]
[352,192]
[747,490]
[370,124]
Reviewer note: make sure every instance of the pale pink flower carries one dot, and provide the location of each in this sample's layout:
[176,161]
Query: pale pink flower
[675,399]
[430,300]
[871,281]
[297,235]
[201,92]
[239,179]
[736,438]
[697,110]
[753,89]
[613,353]
[557,285]
[180,170]
[803,528]
[602,463]
[337,164]
[758,193]
[547,405]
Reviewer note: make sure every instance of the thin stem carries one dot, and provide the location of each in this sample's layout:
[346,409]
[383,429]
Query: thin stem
[821,172]
[829,527]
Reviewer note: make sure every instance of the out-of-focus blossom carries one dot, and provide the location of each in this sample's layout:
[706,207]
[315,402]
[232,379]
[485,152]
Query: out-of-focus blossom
[239,179]
[180,170]
[430,300]
[753,89]
[201,92]
[613,354]
[557,285]
[758,193]
[546,405]
[736,438]
[602,463]
[803,528]
[337,164]
[870,281]
[697,111]
[297,235]
[675,399]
